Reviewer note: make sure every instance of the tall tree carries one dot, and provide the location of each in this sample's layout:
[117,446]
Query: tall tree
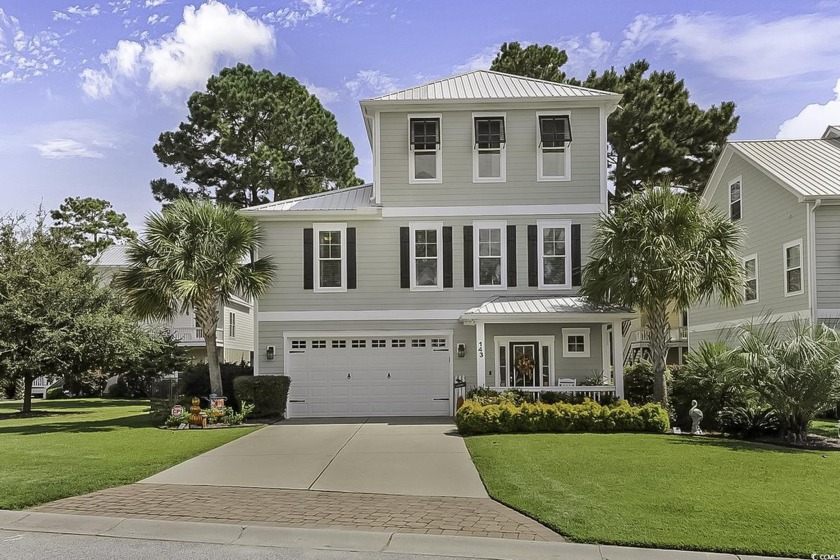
[194,254]
[657,135]
[90,225]
[253,137]
[660,247]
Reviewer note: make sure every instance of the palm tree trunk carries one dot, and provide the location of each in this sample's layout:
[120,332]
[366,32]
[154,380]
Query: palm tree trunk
[27,392]
[660,331]
[208,317]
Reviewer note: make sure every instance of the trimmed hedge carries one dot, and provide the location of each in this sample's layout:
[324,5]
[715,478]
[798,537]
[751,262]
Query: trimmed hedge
[473,418]
[268,393]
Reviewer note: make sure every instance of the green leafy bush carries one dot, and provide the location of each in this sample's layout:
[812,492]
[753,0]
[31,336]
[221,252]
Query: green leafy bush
[474,418]
[268,393]
[748,421]
[638,382]
[55,393]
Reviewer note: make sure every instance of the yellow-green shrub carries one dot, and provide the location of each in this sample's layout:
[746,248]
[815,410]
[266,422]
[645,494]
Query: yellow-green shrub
[475,418]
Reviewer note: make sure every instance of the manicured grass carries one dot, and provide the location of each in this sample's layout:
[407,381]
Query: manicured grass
[88,445]
[827,428]
[668,491]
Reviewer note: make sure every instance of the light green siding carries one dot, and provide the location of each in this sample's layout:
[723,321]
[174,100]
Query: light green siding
[827,229]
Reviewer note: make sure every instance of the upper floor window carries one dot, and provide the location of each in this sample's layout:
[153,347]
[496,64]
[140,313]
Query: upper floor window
[735,200]
[555,138]
[489,248]
[426,262]
[750,278]
[793,267]
[488,148]
[232,325]
[424,160]
[554,252]
[330,257]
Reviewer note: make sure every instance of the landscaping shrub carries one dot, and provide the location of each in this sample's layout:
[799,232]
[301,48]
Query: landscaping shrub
[267,393]
[474,418]
[194,381]
[638,383]
[55,393]
[554,397]
[748,421]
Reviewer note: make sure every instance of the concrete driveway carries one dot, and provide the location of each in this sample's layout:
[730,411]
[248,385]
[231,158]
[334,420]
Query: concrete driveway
[408,456]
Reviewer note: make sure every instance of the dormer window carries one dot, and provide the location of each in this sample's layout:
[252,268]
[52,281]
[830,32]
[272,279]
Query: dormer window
[488,148]
[424,161]
[554,137]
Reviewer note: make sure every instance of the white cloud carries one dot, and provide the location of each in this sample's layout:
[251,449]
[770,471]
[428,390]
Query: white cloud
[812,121]
[83,12]
[375,82]
[324,95]
[25,54]
[97,84]
[60,16]
[743,48]
[63,148]
[154,3]
[585,53]
[303,10]
[479,61]
[124,59]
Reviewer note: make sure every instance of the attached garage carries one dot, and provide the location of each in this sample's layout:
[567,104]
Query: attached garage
[369,375]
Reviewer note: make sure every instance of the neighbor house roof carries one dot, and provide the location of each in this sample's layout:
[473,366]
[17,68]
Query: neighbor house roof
[489,85]
[115,255]
[350,198]
[546,306]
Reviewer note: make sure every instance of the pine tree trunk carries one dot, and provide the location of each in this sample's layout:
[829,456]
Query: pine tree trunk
[27,392]
[660,332]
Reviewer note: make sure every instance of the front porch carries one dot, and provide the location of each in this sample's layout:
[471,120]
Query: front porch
[541,344]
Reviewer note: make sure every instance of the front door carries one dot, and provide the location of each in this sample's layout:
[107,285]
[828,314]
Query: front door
[524,364]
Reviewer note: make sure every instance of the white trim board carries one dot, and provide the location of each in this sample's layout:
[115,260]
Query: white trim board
[515,210]
[364,315]
[790,316]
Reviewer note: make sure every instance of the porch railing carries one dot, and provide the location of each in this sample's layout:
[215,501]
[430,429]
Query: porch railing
[189,335]
[593,392]
[677,334]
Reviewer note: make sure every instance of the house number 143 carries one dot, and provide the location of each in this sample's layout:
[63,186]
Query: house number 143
[480,349]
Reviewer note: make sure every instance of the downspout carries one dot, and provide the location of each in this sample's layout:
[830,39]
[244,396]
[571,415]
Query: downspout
[812,258]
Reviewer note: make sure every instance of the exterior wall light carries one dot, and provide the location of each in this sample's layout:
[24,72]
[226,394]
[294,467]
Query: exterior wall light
[269,353]
[462,349]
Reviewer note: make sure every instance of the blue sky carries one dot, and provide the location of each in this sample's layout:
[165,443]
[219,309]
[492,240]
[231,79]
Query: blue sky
[85,88]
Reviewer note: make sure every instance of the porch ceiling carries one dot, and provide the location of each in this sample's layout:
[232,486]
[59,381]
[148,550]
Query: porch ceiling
[545,309]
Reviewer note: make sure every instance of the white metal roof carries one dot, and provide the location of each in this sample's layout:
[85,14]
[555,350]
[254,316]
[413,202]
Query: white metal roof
[115,255]
[810,168]
[538,305]
[350,198]
[486,84]
[832,132]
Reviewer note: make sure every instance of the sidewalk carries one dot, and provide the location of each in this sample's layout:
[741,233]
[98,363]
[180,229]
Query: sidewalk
[333,539]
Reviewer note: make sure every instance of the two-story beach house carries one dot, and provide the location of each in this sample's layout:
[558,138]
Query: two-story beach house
[786,195]
[462,260]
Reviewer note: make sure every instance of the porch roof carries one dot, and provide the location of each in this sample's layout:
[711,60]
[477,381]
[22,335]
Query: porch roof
[546,309]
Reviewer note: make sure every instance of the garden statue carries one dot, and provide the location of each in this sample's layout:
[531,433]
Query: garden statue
[696,416]
[196,418]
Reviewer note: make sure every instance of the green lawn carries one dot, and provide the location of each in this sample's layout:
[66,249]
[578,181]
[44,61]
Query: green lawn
[89,444]
[827,428]
[668,491]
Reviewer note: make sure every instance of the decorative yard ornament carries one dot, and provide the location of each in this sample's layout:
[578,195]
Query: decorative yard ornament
[696,416]
[196,419]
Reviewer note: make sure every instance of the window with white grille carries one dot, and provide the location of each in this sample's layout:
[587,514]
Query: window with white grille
[298,345]
[398,343]
[358,343]
[418,342]
[377,343]
[438,343]
[339,344]
[319,344]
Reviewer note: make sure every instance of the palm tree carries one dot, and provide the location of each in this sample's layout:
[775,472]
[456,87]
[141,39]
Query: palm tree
[195,254]
[661,247]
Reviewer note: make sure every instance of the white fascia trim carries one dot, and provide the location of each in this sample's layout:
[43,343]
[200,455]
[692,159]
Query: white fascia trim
[438,152]
[744,260]
[556,318]
[369,333]
[377,159]
[602,147]
[519,210]
[785,247]
[364,315]
[740,196]
[502,178]
[567,151]
[585,333]
[717,176]
[781,317]
[502,227]
[811,227]
[316,257]
[366,213]
[412,228]
[567,254]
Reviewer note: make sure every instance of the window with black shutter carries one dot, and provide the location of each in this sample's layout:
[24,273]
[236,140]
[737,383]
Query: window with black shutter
[489,154]
[424,159]
[555,136]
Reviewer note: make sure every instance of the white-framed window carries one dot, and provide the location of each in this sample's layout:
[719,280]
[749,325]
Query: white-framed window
[554,139]
[319,344]
[750,278]
[339,344]
[490,255]
[397,343]
[426,256]
[575,343]
[792,255]
[232,325]
[438,343]
[554,250]
[418,342]
[330,260]
[735,199]
[378,343]
[489,161]
[424,155]
[358,343]
[298,345]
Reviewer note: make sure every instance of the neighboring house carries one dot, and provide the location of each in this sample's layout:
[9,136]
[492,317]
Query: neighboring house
[637,339]
[234,336]
[461,260]
[786,195]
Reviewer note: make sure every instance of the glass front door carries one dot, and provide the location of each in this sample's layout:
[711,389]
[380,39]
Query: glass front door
[524,364]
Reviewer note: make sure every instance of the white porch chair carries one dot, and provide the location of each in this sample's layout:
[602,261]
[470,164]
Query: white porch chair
[567,382]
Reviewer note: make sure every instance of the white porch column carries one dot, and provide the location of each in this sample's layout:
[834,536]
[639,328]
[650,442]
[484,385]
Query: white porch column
[618,358]
[480,353]
[605,353]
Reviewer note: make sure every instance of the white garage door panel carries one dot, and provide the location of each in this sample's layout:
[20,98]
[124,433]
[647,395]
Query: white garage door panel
[383,381]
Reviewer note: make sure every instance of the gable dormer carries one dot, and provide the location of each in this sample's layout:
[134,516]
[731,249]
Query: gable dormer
[488,138]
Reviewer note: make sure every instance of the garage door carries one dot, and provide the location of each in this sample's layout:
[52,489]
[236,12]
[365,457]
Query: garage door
[369,376]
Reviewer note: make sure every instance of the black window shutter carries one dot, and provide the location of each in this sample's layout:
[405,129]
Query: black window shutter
[405,255]
[576,268]
[511,256]
[308,255]
[532,256]
[447,256]
[468,256]
[351,258]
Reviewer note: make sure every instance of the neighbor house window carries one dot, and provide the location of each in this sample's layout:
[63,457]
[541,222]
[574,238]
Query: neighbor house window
[554,138]
[554,251]
[424,160]
[232,325]
[488,148]
[576,343]
[489,248]
[426,261]
[330,262]
[750,278]
[793,267]
[735,200]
